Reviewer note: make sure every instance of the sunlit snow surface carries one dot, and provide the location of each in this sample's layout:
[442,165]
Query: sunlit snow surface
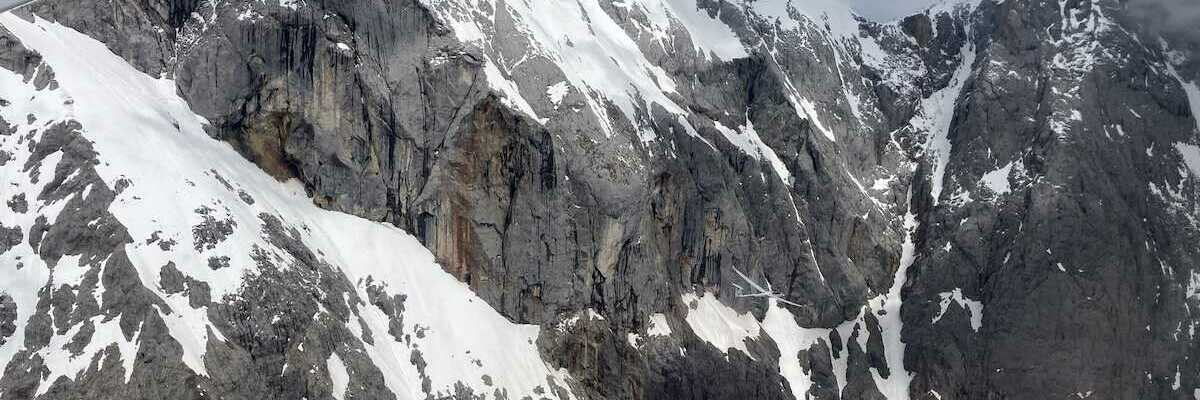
[338,375]
[718,324]
[145,133]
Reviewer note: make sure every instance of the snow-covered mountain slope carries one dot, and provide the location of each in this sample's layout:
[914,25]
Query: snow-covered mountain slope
[630,54]
[95,147]
[597,199]
[195,225]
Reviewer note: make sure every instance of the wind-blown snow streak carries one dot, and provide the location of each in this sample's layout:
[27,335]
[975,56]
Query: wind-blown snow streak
[747,140]
[143,132]
[601,61]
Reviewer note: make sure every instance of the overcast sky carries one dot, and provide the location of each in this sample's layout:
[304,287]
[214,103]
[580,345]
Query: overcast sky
[887,10]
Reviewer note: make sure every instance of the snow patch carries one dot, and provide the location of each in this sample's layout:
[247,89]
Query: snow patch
[781,326]
[337,375]
[658,325]
[291,4]
[1193,95]
[997,181]
[1191,156]
[557,92]
[719,325]
[883,183]
[973,307]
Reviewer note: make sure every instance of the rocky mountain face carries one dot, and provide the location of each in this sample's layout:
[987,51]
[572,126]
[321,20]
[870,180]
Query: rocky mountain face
[597,199]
